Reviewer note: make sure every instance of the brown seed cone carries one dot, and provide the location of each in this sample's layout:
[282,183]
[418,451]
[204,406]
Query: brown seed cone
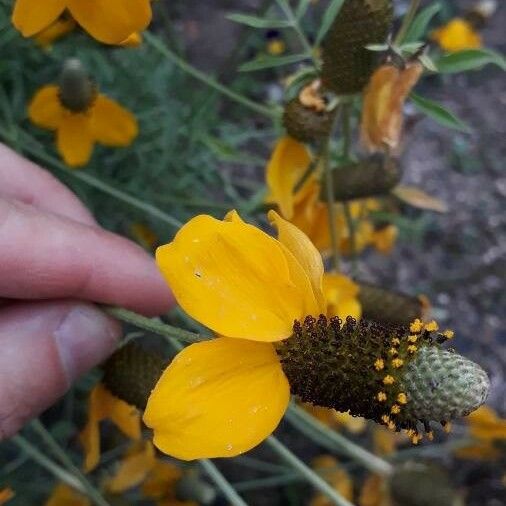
[305,123]
[367,178]
[347,64]
[77,90]
[131,374]
[388,306]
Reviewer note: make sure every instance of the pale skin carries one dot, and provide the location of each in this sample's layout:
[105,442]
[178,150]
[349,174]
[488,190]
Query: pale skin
[56,265]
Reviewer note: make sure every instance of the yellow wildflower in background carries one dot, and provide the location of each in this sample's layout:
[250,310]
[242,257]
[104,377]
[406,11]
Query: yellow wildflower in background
[109,21]
[6,494]
[104,121]
[457,35]
[222,397]
[336,419]
[341,296]
[382,110]
[63,495]
[374,492]
[337,477]
[103,405]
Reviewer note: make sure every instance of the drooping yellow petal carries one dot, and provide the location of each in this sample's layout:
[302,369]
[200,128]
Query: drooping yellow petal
[74,139]
[103,405]
[161,481]
[61,27]
[111,124]
[288,162]
[375,492]
[235,279]
[457,35]
[304,252]
[133,468]
[484,423]
[341,296]
[217,398]
[335,475]
[32,16]
[45,109]
[6,494]
[63,495]
[133,40]
[111,21]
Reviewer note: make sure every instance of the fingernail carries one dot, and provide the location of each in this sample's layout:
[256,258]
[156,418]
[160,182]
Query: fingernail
[84,338]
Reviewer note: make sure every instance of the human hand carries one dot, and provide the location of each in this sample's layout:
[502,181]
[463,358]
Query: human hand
[55,261]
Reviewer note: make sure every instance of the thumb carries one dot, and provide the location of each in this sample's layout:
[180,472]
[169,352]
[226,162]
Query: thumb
[45,347]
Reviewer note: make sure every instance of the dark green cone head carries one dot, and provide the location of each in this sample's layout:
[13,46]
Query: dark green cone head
[305,123]
[131,374]
[368,178]
[395,375]
[388,306]
[347,64]
[77,91]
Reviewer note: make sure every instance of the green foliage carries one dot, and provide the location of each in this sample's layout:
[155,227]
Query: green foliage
[469,59]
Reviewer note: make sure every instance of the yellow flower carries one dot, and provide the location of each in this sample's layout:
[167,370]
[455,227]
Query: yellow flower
[341,296]
[109,21]
[6,494]
[336,476]
[63,495]
[276,47]
[222,397]
[383,239]
[384,99]
[104,121]
[457,35]
[103,405]
[374,492]
[56,30]
[336,419]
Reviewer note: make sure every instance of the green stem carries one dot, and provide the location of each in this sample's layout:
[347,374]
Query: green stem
[228,491]
[310,169]
[59,453]
[316,480]
[164,50]
[336,442]
[154,325]
[31,146]
[406,22]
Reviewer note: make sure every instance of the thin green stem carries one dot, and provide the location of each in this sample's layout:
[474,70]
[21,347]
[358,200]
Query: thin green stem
[228,490]
[406,22]
[31,146]
[165,51]
[316,480]
[154,325]
[57,471]
[336,441]
[60,454]
[310,169]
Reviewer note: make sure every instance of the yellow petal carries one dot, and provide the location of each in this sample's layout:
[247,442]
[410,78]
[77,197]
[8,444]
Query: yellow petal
[32,16]
[341,296]
[235,279]
[63,495]
[305,253]
[103,405]
[384,238]
[418,198]
[133,468]
[335,475]
[112,124]
[486,424]
[375,492]
[457,35]
[133,40]
[288,163]
[161,481]
[74,139]
[6,494]
[217,398]
[45,109]
[111,21]
[55,31]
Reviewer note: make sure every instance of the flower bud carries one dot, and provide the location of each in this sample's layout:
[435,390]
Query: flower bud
[304,123]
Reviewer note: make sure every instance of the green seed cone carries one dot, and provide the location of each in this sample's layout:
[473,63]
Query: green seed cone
[304,123]
[367,178]
[131,374]
[77,91]
[388,306]
[375,371]
[421,485]
[347,64]
[443,385]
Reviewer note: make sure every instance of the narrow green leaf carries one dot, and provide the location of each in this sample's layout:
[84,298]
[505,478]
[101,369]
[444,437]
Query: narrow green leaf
[469,59]
[328,18]
[427,62]
[438,113]
[377,47]
[256,22]
[421,22]
[266,62]
[302,8]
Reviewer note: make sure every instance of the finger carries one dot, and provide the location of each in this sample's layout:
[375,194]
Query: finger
[44,257]
[45,347]
[22,180]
